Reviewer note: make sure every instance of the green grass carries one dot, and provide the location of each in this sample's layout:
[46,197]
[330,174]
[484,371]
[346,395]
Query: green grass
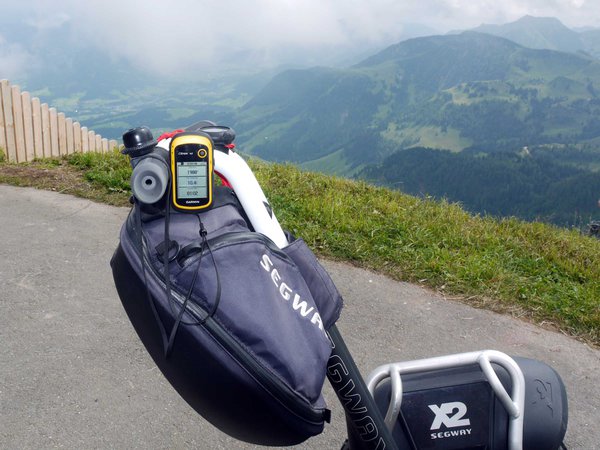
[546,273]
[540,272]
[110,170]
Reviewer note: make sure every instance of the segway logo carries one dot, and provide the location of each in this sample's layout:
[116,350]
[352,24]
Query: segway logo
[286,292]
[451,416]
[442,415]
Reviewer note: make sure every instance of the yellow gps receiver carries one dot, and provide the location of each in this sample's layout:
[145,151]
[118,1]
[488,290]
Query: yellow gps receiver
[191,171]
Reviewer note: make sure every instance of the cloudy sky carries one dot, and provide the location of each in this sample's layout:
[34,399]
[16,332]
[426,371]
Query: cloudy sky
[147,32]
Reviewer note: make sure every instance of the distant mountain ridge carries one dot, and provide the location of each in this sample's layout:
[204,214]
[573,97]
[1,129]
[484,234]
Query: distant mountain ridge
[546,33]
[537,32]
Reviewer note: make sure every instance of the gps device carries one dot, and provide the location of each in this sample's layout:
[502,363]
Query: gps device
[191,171]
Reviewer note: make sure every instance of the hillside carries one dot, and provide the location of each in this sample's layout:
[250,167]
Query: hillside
[470,91]
[534,184]
[449,92]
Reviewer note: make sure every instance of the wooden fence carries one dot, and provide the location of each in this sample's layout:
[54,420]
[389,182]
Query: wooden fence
[31,130]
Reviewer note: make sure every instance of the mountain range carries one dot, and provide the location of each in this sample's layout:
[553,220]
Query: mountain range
[477,93]
[451,92]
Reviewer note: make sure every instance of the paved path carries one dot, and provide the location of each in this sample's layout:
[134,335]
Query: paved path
[74,375]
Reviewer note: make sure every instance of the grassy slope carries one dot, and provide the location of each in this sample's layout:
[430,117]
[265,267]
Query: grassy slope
[544,273]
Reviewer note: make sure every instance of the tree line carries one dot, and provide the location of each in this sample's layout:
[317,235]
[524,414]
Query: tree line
[537,184]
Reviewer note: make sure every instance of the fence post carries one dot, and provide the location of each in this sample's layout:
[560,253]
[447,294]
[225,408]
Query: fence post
[92,141]
[53,133]
[27,126]
[85,143]
[47,146]
[69,130]
[77,137]
[62,134]
[36,118]
[98,143]
[9,123]
[18,119]
[2,132]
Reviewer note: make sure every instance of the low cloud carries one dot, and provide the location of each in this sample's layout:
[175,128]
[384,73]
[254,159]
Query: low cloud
[48,22]
[184,36]
[190,35]
[14,60]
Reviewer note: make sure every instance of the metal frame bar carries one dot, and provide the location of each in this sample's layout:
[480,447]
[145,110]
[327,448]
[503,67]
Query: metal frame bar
[513,403]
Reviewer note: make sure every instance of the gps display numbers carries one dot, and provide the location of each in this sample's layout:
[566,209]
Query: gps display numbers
[191,171]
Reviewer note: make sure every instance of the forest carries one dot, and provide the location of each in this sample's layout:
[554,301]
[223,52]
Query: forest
[547,184]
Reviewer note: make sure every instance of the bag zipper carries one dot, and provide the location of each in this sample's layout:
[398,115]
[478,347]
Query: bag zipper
[226,239]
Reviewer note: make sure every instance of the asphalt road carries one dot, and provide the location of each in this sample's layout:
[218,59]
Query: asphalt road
[73,374]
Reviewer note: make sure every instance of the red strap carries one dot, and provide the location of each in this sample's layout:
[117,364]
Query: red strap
[223,180]
[169,135]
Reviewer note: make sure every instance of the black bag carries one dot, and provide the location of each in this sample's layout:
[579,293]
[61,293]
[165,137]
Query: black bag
[242,338]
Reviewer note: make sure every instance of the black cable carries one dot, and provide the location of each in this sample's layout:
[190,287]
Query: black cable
[179,321]
[218,278]
[167,240]
[166,272]
[205,242]
[182,310]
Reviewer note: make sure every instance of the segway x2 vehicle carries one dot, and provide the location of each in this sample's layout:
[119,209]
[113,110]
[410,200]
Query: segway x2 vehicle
[240,318]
